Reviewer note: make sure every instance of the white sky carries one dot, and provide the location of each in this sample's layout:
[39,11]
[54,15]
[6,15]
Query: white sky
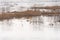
[30,0]
[28,3]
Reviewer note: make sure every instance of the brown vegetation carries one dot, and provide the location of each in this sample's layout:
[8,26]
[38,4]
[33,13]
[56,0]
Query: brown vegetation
[28,13]
[47,7]
[24,14]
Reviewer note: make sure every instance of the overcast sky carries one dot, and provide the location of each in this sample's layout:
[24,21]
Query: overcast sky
[28,3]
[31,0]
[43,2]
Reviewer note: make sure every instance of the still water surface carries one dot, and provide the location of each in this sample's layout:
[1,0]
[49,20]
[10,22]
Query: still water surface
[35,28]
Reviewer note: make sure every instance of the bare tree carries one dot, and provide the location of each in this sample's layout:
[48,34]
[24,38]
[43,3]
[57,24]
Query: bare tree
[6,6]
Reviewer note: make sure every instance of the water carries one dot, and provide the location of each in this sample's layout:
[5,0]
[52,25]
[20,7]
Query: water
[35,28]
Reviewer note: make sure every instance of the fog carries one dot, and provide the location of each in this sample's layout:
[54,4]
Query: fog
[35,28]
[16,5]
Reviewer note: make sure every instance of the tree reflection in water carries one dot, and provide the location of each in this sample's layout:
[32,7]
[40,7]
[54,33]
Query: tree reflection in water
[7,25]
[36,23]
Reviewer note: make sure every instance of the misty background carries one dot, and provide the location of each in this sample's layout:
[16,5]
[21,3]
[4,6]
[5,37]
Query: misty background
[35,28]
[21,5]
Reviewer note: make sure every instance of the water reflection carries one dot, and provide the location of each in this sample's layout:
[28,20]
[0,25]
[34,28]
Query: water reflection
[36,28]
[36,23]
